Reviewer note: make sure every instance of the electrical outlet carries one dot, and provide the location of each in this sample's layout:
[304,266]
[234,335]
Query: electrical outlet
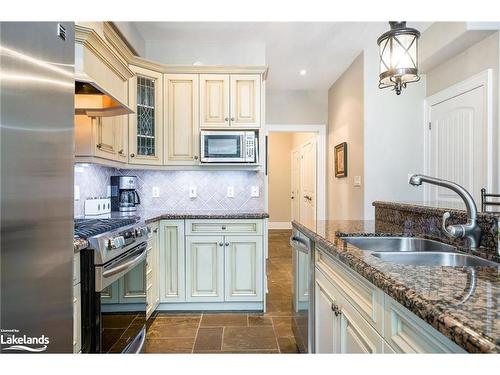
[108,190]
[77,193]
[357,181]
[156,191]
[255,191]
[192,192]
[230,192]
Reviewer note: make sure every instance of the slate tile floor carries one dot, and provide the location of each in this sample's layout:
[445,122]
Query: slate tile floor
[236,332]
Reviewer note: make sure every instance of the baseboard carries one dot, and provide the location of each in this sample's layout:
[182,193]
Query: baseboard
[279,225]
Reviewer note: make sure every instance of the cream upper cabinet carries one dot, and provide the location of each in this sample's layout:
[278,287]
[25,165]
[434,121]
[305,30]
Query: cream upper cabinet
[214,100]
[230,100]
[245,100]
[121,138]
[146,124]
[243,268]
[181,119]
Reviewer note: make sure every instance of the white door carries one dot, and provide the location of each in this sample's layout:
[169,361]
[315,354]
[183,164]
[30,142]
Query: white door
[244,265]
[295,186]
[308,181]
[458,145]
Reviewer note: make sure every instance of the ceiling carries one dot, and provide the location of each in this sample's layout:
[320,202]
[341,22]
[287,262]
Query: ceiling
[323,49]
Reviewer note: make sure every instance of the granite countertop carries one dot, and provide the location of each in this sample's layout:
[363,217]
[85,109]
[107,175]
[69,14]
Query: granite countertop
[153,215]
[79,244]
[435,294]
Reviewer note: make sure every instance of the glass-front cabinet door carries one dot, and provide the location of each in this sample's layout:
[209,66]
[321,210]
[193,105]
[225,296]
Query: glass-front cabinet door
[145,125]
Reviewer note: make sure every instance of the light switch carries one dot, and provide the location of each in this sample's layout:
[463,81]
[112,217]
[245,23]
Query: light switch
[255,191]
[357,181]
[156,191]
[230,192]
[192,192]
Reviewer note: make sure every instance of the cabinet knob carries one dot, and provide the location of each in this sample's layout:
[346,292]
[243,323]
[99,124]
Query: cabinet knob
[221,244]
[195,157]
[227,243]
[132,155]
[121,152]
[232,118]
[155,231]
[226,119]
[99,146]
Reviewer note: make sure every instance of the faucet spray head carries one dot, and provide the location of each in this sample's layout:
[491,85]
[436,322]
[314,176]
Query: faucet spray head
[415,180]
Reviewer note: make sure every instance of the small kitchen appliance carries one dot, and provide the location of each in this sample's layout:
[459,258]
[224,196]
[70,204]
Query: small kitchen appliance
[229,146]
[124,196]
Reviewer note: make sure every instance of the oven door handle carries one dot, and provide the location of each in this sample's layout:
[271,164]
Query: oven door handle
[126,264]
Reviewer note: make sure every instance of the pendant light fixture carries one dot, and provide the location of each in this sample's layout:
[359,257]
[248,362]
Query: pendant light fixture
[398,49]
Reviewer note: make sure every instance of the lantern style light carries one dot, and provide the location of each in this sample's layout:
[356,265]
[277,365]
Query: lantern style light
[398,49]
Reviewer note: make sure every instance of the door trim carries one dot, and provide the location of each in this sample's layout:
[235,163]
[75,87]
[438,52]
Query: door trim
[484,80]
[320,131]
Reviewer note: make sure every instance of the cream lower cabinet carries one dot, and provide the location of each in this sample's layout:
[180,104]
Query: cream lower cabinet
[172,261]
[354,316]
[339,327]
[152,271]
[204,268]
[243,268]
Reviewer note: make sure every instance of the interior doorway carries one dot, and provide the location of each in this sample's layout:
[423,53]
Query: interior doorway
[296,174]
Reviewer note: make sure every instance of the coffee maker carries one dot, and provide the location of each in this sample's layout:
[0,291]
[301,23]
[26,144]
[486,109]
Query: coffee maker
[124,197]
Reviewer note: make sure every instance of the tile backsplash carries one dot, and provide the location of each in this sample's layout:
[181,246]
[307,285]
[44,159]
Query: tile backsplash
[211,187]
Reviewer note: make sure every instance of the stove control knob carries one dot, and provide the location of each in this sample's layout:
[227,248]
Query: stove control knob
[116,242]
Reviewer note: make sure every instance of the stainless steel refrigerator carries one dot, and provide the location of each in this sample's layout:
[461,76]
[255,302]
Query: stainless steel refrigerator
[36,213]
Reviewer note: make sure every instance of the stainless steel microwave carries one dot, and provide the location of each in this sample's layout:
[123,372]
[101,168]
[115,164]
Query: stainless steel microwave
[221,146]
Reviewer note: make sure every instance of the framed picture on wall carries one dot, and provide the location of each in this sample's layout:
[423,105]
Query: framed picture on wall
[341,160]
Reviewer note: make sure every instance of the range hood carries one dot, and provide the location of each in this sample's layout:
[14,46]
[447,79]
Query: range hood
[93,101]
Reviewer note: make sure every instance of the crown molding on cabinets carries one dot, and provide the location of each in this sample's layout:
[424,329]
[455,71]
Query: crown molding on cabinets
[116,40]
[94,42]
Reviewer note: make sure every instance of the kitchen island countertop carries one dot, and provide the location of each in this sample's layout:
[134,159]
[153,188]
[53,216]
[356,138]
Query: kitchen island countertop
[432,293]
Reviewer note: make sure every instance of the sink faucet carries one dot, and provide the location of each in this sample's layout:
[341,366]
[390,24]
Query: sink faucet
[469,230]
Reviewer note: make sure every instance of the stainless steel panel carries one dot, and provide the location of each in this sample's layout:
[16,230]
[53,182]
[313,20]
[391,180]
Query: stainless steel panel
[399,244]
[36,111]
[435,259]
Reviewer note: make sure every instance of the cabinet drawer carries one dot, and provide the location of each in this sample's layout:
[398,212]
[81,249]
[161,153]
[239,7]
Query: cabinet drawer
[217,227]
[407,333]
[76,268]
[363,295]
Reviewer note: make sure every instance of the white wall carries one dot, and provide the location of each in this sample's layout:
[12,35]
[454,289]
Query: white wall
[393,137]
[170,52]
[296,106]
[134,38]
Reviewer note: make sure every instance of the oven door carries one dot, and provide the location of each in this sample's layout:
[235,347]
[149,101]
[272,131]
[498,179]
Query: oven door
[223,147]
[121,294]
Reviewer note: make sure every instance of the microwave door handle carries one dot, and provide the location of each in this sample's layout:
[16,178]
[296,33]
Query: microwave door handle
[128,264]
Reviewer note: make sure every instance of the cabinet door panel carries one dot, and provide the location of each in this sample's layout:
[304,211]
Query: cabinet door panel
[354,339]
[245,100]
[121,129]
[133,285]
[77,319]
[327,324]
[204,268]
[105,133]
[214,100]
[172,276]
[146,124]
[181,117]
[244,268]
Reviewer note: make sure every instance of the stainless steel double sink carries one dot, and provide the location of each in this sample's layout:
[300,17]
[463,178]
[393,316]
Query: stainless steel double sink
[417,251]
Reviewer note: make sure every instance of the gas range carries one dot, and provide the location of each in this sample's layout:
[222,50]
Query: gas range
[111,237]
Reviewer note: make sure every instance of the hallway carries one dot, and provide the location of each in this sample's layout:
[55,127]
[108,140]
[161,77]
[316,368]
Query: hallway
[236,332]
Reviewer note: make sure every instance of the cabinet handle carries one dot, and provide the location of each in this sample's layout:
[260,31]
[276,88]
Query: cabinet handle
[232,118]
[226,119]
[223,227]
[227,243]
[99,146]
[155,231]
[221,244]
[121,152]
[336,310]
[132,155]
